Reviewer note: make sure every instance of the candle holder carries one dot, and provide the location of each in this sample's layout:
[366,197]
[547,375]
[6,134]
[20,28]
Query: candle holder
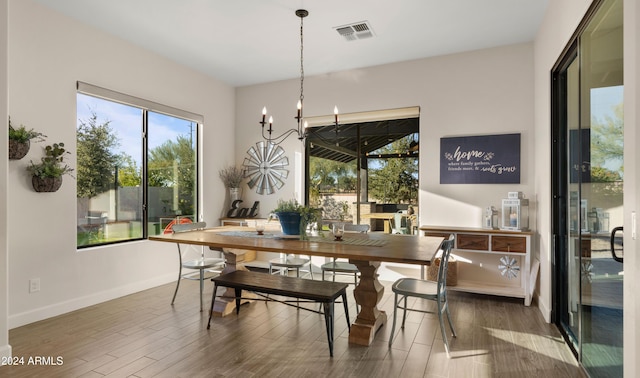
[515,212]
[490,219]
[338,231]
[260,227]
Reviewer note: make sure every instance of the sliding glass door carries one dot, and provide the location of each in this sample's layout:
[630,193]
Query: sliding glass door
[588,179]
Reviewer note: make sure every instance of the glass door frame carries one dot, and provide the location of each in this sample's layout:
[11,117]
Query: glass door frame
[571,110]
[560,198]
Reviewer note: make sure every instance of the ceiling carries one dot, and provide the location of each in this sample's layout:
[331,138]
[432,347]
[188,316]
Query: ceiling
[246,42]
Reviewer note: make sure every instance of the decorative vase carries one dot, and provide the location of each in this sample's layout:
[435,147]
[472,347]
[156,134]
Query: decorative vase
[234,194]
[18,150]
[290,222]
[46,184]
[303,231]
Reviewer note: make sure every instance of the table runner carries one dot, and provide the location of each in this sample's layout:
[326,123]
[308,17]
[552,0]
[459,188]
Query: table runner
[315,239]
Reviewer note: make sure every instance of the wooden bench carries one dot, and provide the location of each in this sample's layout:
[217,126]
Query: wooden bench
[323,292]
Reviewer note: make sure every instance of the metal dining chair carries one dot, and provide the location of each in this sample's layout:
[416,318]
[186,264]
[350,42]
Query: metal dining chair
[290,262]
[400,223]
[287,262]
[198,266]
[430,290]
[339,266]
[283,264]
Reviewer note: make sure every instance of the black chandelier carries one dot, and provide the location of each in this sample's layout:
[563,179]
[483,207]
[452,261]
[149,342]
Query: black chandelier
[301,129]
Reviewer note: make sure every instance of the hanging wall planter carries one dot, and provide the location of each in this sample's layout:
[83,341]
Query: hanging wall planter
[20,141]
[47,175]
[46,184]
[18,150]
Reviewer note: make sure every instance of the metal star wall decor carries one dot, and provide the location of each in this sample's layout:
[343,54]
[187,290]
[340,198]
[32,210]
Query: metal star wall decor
[509,267]
[265,166]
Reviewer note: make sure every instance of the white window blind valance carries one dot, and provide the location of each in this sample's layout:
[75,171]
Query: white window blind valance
[108,94]
[360,117]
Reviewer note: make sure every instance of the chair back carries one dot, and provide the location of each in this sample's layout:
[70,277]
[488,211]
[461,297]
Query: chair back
[400,223]
[397,220]
[177,227]
[169,227]
[447,246]
[189,249]
[362,228]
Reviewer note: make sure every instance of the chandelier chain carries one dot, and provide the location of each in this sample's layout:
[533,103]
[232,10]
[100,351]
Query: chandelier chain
[300,130]
[301,59]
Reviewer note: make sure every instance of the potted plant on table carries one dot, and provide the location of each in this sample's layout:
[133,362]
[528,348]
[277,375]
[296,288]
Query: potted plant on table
[295,217]
[232,178]
[20,140]
[47,175]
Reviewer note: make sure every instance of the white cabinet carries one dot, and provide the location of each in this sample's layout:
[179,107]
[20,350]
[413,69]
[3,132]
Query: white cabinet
[495,262]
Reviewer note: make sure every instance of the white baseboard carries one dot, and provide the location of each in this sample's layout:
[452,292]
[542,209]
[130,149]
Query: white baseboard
[28,317]
[546,312]
[5,351]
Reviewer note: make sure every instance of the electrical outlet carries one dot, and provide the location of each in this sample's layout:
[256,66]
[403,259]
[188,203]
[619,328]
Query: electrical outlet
[34,285]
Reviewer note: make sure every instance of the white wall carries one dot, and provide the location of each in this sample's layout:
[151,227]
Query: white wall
[474,93]
[48,53]
[5,348]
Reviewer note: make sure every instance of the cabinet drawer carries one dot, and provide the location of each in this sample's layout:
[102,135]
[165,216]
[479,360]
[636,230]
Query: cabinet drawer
[437,234]
[509,244]
[474,242]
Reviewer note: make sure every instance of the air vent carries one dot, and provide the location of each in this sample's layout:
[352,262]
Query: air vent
[355,31]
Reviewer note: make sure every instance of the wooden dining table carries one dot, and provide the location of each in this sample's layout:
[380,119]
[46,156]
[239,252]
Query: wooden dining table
[366,251]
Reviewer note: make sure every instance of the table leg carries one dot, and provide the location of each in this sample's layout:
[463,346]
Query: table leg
[387,226]
[226,304]
[368,294]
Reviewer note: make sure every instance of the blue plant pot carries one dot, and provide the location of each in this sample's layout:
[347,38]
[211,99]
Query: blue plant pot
[290,222]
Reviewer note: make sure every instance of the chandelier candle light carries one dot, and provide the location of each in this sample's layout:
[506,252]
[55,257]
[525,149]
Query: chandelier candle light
[301,129]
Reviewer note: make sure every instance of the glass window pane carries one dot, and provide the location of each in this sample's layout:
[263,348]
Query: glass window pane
[332,187]
[171,171]
[393,172]
[108,171]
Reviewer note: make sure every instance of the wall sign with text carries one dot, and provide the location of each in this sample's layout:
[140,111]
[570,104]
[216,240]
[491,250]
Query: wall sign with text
[486,159]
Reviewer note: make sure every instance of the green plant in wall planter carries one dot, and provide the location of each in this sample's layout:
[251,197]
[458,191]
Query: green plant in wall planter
[20,140]
[47,175]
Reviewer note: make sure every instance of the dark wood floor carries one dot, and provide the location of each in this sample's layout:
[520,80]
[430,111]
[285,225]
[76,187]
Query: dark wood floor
[142,335]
